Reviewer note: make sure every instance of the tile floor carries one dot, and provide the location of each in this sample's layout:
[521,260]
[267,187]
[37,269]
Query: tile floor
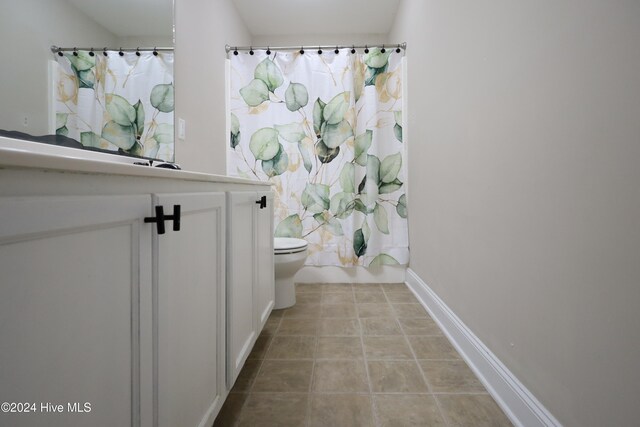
[356,355]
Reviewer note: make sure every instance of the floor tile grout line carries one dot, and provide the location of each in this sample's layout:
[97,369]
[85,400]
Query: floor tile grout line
[424,377]
[311,383]
[365,362]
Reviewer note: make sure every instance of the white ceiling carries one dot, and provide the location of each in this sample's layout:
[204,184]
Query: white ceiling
[295,17]
[130,17]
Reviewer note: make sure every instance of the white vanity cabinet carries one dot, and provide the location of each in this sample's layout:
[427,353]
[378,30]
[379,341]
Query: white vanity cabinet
[98,307]
[75,306]
[190,286]
[250,274]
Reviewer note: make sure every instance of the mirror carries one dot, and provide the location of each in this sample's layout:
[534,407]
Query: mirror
[34,80]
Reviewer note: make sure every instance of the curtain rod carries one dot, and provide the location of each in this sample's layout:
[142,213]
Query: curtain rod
[402,46]
[56,49]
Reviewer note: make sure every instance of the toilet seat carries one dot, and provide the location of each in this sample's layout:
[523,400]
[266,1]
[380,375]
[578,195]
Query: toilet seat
[287,245]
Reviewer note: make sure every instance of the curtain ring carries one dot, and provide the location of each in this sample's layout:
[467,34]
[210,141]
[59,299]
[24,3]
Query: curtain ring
[337,51]
[383,50]
[319,51]
[155,51]
[268,50]
[75,51]
[301,50]
[366,49]
[91,52]
[120,52]
[235,51]
[353,48]
[137,51]
[60,52]
[104,52]
[250,50]
[398,49]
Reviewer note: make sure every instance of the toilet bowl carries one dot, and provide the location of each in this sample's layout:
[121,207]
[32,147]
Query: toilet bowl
[289,257]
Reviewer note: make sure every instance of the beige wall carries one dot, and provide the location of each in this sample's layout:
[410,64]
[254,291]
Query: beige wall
[323,39]
[28,28]
[202,30]
[524,205]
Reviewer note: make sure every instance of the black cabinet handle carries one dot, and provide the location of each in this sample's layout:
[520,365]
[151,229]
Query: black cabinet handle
[161,217]
[262,202]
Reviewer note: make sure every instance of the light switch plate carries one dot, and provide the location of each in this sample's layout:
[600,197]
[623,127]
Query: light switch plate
[182,127]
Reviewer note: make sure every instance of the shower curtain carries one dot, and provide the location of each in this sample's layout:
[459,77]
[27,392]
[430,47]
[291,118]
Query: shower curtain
[326,130]
[122,103]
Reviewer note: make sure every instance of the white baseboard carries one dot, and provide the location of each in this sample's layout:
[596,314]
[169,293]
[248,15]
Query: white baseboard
[522,408]
[330,274]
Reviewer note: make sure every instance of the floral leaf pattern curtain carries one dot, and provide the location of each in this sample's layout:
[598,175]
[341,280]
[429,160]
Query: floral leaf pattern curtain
[122,103]
[326,130]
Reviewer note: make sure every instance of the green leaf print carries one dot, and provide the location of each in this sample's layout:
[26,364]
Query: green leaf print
[291,226]
[121,136]
[397,115]
[324,153]
[359,244]
[264,144]
[269,73]
[390,167]
[381,219]
[318,119]
[397,131]
[360,207]
[139,122]
[383,259]
[162,97]
[83,61]
[255,93]
[235,124]
[342,205]
[335,135]
[278,165]
[362,144]
[164,133]
[293,132]
[376,59]
[235,131]
[401,207]
[306,158]
[315,197]
[64,131]
[366,231]
[370,192]
[90,139]
[348,177]
[296,96]
[330,224]
[386,188]
[120,110]
[372,74]
[335,110]
[61,119]
[86,78]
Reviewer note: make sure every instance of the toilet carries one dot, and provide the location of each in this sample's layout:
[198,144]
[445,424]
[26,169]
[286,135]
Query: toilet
[289,257]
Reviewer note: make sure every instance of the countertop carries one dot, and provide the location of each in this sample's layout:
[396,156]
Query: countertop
[15,153]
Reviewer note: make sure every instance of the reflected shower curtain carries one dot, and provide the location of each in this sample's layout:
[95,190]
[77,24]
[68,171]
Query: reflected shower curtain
[122,103]
[326,130]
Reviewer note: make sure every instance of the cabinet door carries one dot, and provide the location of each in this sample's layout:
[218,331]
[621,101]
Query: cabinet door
[242,321]
[189,306]
[265,274]
[75,288]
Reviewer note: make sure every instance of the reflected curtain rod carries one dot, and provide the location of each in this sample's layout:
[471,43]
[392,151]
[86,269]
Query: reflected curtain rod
[402,46]
[56,49]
